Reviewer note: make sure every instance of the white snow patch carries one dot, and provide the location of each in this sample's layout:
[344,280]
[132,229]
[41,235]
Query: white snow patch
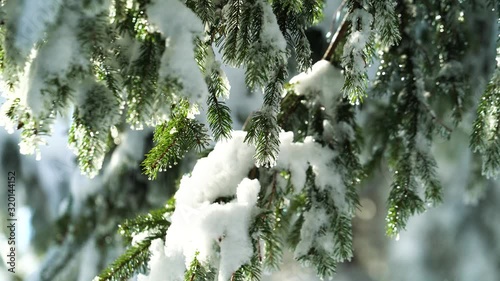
[52,61]
[202,225]
[33,19]
[219,174]
[157,263]
[271,34]
[180,26]
[313,220]
[201,228]
[297,157]
[324,81]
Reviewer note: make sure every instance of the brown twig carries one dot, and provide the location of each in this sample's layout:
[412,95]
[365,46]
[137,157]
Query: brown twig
[336,39]
[436,119]
[337,11]
[165,151]
[259,250]
[253,173]
[273,191]
[247,121]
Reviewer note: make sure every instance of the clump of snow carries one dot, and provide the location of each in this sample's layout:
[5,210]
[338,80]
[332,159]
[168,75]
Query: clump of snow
[30,144]
[297,157]
[270,34]
[360,33]
[353,59]
[33,18]
[207,226]
[200,225]
[156,263]
[219,174]
[324,81]
[314,219]
[218,232]
[52,61]
[180,26]
[98,111]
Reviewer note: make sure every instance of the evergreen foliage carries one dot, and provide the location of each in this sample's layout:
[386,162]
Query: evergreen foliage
[91,127]
[141,63]
[218,113]
[132,261]
[135,258]
[197,271]
[155,221]
[486,127]
[173,139]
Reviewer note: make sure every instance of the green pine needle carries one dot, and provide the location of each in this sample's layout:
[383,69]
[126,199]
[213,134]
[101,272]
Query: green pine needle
[426,167]
[173,140]
[134,260]
[264,133]
[403,203]
[219,114]
[199,272]
[486,128]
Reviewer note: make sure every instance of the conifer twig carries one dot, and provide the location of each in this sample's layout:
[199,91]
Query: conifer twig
[259,250]
[273,191]
[162,156]
[436,119]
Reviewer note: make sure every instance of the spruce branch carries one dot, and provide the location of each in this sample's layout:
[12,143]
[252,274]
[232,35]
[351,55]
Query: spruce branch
[296,204]
[249,272]
[426,166]
[199,272]
[154,220]
[403,201]
[325,265]
[132,261]
[386,22]
[263,130]
[146,94]
[92,122]
[343,238]
[294,18]
[486,128]
[312,250]
[271,227]
[273,244]
[173,139]
[218,115]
